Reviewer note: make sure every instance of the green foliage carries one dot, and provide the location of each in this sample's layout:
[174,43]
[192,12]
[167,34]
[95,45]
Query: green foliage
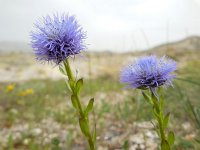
[147,98]
[74,101]
[62,70]
[89,106]
[126,145]
[75,87]
[55,144]
[84,126]
[79,85]
[166,120]
[10,143]
[171,138]
[162,120]
[165,145]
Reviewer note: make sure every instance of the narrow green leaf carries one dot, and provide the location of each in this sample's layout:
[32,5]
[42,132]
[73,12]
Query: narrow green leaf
[79,84]
[155,128]
[155,112]
[71,84]
[171,138]
[147,98]
[10,143]
[84,126]
[89,106]
[165,145]
[74,101]
[62,70]
[94,134]
[155,102]
[166,121]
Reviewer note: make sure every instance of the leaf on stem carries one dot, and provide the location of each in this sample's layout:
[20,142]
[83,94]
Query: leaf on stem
[147,98]
[171,138]
[166,120]
[155,102]
[156,128]
[71,84]
[89,106]
[79,84]
[155,113]
[62,70]
[165,145]
[84,126]
[74,101]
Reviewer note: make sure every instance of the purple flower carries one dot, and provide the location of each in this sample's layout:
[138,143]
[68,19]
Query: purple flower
[149,72]
[57,38]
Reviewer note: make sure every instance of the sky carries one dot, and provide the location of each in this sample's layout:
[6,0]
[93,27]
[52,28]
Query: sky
[116,25]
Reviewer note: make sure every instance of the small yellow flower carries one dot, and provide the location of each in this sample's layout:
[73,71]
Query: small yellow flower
[26,92]
[10,88]
[29,91]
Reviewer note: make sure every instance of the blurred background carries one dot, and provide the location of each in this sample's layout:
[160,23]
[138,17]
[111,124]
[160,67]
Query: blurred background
[35,108]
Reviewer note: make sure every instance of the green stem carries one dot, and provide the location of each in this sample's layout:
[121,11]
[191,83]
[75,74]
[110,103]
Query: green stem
[91,144]
[82,115]
[162,132]
[79,106]
[159,118]
[166,138]
[68,70]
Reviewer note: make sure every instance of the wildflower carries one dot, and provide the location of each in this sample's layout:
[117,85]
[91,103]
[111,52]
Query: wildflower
[149,72]
[10,88]
[57,38]
[29,91]
[26,92]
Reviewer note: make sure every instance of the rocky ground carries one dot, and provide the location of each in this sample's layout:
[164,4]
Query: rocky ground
[140,136]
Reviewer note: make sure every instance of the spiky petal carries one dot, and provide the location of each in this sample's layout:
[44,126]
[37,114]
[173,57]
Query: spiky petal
[149,72]
[57,38]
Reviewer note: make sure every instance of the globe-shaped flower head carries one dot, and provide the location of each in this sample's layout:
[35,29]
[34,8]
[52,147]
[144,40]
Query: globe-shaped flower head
[57,38]
[149,72]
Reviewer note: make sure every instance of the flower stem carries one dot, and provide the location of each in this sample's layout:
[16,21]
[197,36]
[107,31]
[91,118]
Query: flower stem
[83,117]
[159,115]
[166,138]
